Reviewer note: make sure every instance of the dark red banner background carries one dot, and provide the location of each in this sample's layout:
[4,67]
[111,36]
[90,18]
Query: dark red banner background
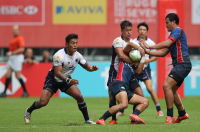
[50,35]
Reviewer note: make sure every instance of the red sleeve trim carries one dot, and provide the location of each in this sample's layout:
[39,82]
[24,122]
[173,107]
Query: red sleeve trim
[126,52]
[172,38]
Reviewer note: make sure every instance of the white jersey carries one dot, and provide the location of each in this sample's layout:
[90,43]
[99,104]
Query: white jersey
[67,62]
[119,42]
[150,43]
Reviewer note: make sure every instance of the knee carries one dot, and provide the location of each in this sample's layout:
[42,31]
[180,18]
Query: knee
[146,102]
[42,103]
[165,86]
[79,97]
[124,105]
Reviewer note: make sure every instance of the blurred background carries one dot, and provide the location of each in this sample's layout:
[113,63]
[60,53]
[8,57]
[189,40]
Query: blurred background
[44,25]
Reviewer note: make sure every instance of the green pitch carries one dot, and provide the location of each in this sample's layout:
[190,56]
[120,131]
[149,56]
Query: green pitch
[63,115]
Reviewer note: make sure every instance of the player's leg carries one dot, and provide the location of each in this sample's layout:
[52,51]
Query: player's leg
[112,102]
[18,76]
[8,80]
[121,98]
[154,96]
[169,83]
[136,89]
[142,104]
[182,115]
[44,99]
[74,92]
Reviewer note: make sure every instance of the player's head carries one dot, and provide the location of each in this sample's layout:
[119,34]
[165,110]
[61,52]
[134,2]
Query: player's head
[71,42]
[142,29]
[126,29]
[15,30]
[172,21]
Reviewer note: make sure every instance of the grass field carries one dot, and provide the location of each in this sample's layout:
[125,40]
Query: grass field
[62,114]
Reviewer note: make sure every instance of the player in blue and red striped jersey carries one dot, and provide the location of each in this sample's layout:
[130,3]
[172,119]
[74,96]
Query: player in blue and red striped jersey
[177,46]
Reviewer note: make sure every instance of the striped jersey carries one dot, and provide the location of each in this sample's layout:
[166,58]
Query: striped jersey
[179,49]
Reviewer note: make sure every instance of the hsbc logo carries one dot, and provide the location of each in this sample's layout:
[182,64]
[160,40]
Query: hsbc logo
[18,10]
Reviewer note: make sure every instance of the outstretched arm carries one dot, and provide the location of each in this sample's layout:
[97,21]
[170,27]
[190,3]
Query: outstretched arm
[89,67]
[162,45]
[158,53]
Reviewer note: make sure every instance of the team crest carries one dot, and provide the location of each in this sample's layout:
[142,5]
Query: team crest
[68,62]
[57,57]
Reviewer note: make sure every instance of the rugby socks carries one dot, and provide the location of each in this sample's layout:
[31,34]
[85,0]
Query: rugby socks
[22,84]
[83,108]
[134,107]
[136,112]
[114,115]
[158,107]
[106,115]
[7,83]
[170,112]
[33,107]
[122,111]
[181,113]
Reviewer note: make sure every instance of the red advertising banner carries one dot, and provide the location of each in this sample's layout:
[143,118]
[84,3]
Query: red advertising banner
[22,12]
[63,17]
[33,76]
[164,65]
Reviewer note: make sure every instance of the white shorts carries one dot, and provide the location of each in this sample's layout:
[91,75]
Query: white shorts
[15,62]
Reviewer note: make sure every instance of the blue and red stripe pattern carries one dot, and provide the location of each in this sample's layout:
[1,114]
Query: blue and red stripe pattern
[179,49]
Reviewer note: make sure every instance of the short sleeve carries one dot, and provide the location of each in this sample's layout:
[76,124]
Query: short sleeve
[21,42]
[117,43]
[175,35]
[82,61]
[57,61]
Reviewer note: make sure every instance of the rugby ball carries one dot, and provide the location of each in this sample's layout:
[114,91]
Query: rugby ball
[135,55]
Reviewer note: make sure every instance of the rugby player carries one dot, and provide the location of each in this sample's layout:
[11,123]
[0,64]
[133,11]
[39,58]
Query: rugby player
[177,46]
[117,50]
[145,76]
[119,88]
[59,77]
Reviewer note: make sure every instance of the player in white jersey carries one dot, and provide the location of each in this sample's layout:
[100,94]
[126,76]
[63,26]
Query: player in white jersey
[117,51]
[145,76]
[59,77]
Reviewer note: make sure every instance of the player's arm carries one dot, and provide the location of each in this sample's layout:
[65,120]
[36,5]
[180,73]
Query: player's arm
[58,74]
[122,56]
[151,59]
[131,45]
[89,67]
[141,64]
[158,53]
[162,45]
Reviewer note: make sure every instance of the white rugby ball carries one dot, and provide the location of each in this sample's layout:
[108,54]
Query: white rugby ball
[135,55]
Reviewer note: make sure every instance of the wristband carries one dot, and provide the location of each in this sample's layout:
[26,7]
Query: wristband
[68,80]
[142,59]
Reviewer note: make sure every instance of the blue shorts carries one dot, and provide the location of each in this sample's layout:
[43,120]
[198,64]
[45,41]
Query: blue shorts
[180,71]
[53,86]
[145,75]
[117,86]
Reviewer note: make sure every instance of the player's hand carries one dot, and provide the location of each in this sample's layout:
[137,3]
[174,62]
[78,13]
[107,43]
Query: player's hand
[135,63]
[9,53]
[146,51]
[142,52]
[94,68]
[144,43]
[73,81]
